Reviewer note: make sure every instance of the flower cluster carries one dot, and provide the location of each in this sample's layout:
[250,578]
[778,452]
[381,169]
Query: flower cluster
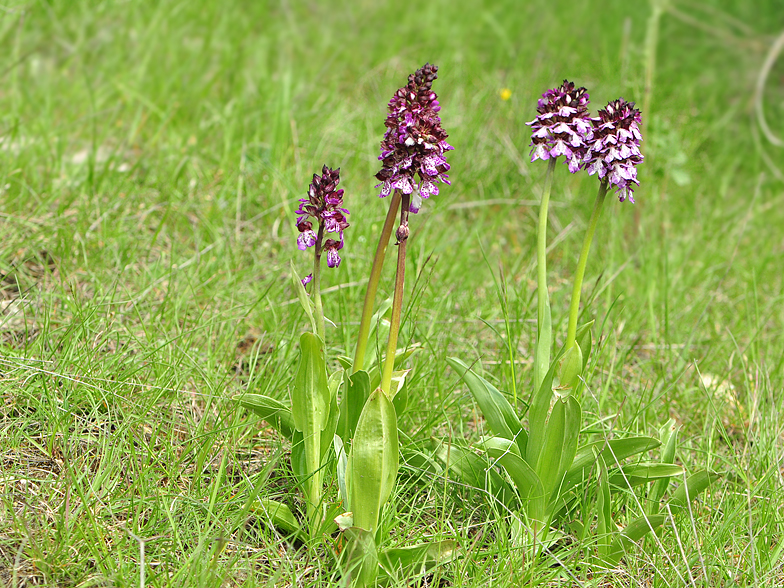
[323,204]
[562,126]
[614,151]
[414,143]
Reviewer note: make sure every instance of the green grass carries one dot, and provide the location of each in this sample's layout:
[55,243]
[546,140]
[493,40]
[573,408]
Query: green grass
[151,158]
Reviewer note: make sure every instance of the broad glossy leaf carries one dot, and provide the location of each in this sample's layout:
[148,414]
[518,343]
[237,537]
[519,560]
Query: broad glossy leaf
[611,451]
[538,411]
[398,390]
[634,475]
[548,465]
[270,410]
[373,462]
[693,487]
[669,436]
[278,514]
[360,558]
[544,342]
[407,563]
[310,396]
[342,465]
[304,300]
[529,486]
[476,471]
[570,368]
[498,413]
[356,389]
[627,538]
[585,341]
[310,400]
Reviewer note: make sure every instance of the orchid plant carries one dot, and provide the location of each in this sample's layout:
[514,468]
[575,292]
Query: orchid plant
[546,465]
[362,427]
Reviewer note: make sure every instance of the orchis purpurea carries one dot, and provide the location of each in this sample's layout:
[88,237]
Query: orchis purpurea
[614,149]
[413,161]
[414,143]
[561,127]
[613,154]
[323,205]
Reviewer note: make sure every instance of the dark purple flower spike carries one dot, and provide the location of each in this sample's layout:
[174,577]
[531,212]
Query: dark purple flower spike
[412,151]
[324,204]
[562,125]
[614,152]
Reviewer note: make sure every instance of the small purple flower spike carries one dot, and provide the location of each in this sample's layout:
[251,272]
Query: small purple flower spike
[562,126]
[614,151]
[414,143]
[324,204]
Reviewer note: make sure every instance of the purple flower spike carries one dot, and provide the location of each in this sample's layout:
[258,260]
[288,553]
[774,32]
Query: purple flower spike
[614,151]
[324,205]
[412,151]
[562,126]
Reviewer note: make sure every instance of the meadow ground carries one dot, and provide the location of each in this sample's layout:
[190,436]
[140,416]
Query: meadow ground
[151,156]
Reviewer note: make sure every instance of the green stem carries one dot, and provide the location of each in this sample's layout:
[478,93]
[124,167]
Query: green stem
[544,328]
[574,309]
[320,330]
[372,287]
[397,302]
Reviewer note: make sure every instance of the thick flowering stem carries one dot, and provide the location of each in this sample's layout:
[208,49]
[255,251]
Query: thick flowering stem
[574,309]
[320,325]
[375,277]
[544,327]
[397,300]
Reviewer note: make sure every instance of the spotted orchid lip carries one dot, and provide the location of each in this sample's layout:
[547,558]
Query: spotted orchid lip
[413,149]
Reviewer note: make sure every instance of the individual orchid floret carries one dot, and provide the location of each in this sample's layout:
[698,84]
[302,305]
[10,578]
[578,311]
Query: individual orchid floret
[412,151]
[562,125]
[307,279]
[324,205]
[614,151]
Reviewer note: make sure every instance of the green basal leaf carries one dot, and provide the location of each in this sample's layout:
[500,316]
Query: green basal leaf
[499,445]
[626,539]
[270,410]
[341,466]
[544,345]
[634,475]
[310,396]
[304,300]
[278,514]
[331,425]
[356,389]
[360,558]
[498,413]
[570,368]
[373,462]
[298,464]
[669,436]
[585,341]
[548,465]
[310,407]
[402,565]
[398,390]
[538,411]
[476,471]
[612,451]
[693,487]
[529,486]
